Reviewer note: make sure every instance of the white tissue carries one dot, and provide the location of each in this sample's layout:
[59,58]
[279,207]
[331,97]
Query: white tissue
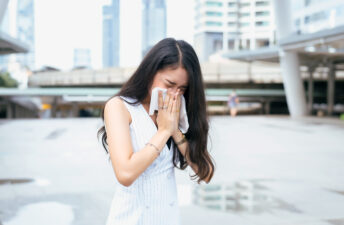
[154,105]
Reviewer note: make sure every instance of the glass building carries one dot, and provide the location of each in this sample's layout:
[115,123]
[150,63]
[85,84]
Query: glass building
[153,23]
[111,34]
[24,31]
[310,16]
[224,25]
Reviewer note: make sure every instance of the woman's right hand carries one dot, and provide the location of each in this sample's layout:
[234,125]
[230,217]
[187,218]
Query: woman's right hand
[166,117]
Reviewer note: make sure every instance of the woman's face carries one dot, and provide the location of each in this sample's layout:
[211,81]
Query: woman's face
[171,78]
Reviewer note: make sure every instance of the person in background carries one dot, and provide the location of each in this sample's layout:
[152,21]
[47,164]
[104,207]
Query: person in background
[233,101]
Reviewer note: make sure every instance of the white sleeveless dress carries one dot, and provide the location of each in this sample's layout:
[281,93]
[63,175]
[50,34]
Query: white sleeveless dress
[152,198]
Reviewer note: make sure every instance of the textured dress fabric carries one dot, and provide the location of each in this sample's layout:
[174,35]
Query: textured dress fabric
[152,198]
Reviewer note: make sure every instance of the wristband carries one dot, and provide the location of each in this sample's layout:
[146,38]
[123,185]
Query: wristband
[182,140]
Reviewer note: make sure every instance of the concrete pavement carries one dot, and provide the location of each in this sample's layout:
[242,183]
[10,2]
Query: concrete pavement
[269,170]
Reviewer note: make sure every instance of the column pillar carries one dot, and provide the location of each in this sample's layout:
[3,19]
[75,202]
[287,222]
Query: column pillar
[289,61]
[9,109]
[54,107]
[236,43]
[311,70]
[75,109]
[330,88]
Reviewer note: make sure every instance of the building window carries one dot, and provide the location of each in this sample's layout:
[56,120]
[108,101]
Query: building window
[262,3]
[231,44]
[231,4]
[244,14]
[261,43]
[232,14]
[213,23]
[244,24]
[316,17]
[245,4]
[261,13]
[231,24]
[217,45]
[213,13]
[211,3]
[262,23]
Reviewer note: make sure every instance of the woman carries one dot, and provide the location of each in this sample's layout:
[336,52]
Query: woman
[145,149]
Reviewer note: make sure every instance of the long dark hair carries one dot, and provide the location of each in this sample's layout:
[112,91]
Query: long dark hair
[171,53]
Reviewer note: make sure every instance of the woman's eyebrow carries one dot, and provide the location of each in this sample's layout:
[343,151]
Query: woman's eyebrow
[184,86]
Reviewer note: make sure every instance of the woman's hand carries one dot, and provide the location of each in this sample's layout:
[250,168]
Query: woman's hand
[168,118]
[177,111]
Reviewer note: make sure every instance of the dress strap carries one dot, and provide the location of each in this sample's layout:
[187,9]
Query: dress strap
[133,109]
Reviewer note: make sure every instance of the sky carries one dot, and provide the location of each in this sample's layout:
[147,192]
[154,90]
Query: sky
[61,26]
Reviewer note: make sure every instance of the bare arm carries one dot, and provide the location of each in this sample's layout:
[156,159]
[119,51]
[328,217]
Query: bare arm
[128,166]
[177,136]
[182,148]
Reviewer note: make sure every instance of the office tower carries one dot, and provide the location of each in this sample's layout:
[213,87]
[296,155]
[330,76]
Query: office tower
[314,15]
[153,23]
[26,32]
[111,22]
[225,25]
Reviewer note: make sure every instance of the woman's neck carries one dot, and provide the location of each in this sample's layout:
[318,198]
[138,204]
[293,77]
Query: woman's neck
[146,101]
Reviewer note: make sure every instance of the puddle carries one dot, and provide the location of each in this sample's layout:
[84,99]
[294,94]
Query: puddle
[15,181]
[43,213]
[291,128]
[55,134]
[38,181]
[241,196]
[341,192]
[336,221]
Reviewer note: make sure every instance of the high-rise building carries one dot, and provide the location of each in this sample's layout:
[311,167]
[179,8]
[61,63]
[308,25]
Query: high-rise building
[224,25]
[26,32]
[82,58]
[22,28]
[130,29]
[111,39]
[314,15]
[4,27]
[153,23]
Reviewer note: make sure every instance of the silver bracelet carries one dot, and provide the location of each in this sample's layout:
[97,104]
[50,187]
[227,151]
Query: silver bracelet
[148,143]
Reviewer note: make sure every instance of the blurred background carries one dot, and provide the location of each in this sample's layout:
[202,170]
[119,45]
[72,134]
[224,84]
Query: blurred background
[274,78]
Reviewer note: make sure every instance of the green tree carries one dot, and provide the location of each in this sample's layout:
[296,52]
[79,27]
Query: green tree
[6,80]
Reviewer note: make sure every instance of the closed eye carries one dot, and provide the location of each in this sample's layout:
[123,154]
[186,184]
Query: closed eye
[181,87]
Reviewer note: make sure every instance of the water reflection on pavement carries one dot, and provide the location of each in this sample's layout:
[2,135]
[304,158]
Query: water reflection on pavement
[269,170]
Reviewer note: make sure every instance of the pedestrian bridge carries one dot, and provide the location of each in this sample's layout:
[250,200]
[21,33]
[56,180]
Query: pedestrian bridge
[230,72]
[73,99]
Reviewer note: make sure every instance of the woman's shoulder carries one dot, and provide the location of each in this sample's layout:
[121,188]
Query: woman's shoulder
[116,105]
